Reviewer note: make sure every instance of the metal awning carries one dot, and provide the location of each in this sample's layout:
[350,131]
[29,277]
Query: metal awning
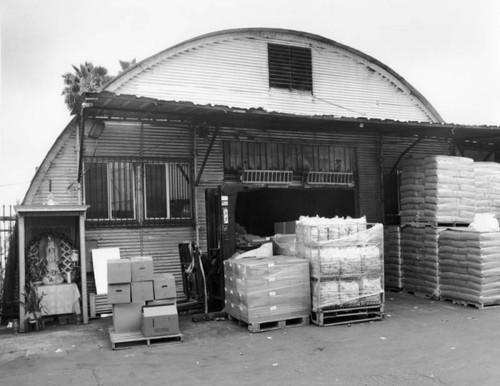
[106,105]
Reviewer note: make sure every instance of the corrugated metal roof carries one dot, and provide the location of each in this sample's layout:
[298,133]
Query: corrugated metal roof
[107,105]
[230,68]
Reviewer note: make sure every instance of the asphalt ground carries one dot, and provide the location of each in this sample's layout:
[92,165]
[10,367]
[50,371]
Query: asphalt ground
[419,342]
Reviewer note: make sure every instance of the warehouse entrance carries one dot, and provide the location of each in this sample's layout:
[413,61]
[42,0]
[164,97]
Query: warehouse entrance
[257,210]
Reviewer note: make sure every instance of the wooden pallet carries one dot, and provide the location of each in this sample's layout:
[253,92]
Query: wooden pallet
[336,317]
[98,305]
[128,339]
[422,295]
[272,325]
[468,303]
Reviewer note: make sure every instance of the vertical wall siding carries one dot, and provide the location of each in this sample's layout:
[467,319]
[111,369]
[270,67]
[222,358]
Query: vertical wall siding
[393,147]
[61,175]
[232,70]
[125,141]
[366,148]
[212,176]
[160,243]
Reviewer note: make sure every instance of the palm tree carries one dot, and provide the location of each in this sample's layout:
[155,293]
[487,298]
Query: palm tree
[124,64]
[86,78]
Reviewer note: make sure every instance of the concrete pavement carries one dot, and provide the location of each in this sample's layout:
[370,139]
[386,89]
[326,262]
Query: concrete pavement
[420,342]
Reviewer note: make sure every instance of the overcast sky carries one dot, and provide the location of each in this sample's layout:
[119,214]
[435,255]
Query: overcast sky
[449,50]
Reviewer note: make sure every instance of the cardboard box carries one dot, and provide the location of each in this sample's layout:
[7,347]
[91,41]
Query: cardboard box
[142,290]
[119,271]
[119,293]
[127,317]
[160,320]
[162,302]
[285,227]
[164,286]
[142,268]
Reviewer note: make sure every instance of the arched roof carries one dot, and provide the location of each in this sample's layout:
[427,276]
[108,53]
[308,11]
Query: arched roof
[119,84]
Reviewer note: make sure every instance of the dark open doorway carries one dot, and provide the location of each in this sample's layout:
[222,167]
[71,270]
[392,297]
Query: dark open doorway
[257,210]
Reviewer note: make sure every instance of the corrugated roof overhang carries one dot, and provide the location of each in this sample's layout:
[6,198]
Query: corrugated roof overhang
[106,105]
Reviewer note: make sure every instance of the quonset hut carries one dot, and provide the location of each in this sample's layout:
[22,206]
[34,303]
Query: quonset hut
[239,129]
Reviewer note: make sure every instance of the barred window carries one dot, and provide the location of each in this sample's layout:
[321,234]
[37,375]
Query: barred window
[137,190]
[109,188]
[167,190]
[290,67]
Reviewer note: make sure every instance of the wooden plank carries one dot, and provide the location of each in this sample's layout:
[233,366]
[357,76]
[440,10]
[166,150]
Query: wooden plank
[92,310]
[347,316]
[128,339]
[256,327]
[468,303]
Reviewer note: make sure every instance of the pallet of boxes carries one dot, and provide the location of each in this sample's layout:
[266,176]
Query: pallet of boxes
[346,265]
[267,293]
[144,303]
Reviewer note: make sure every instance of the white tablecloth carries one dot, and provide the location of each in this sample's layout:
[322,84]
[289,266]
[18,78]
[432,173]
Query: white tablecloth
[60,299]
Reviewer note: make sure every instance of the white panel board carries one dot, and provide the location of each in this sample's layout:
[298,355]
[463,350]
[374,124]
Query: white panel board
[100,259]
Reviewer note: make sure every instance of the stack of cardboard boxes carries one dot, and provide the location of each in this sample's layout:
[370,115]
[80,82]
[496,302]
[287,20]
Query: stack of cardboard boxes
[267,289]
[142,300]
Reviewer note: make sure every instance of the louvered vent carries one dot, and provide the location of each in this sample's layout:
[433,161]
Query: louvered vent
[331,178]
[267,176]
[290,67]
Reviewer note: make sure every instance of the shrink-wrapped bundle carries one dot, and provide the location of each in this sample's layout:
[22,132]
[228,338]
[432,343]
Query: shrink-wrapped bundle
[325,261]
[470,266]
[267,289]
[313,231]
[412,189]
[392,257]
[350,262]
[369,290]
[341,252]
[349,293]
[284,245]
[487,183]
[449,189]
[419,248]
[371,264]
[325,294]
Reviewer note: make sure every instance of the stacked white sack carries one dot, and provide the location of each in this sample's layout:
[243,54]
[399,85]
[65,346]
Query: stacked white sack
[449,189]
[392,257]
[470,266]
[487,182]
[419,248]
[346,260]
[412,190]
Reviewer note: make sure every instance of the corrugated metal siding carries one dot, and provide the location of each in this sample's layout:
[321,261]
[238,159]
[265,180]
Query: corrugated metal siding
[157,141]
[161,243]
[393,147]
[367,153]
[234,72]
[61,176]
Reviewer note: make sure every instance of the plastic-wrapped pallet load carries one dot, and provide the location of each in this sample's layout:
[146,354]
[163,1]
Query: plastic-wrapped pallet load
[284,244]
[419,248]
[487,183]
[268,289]
[412,190]
[392,257]
[346,260]
[470,266]
[449,189]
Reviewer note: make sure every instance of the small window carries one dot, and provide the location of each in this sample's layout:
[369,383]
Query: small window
[109,189]
[167,190]
[290,67]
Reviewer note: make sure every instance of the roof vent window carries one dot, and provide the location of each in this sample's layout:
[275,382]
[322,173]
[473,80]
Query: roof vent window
[290,67]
